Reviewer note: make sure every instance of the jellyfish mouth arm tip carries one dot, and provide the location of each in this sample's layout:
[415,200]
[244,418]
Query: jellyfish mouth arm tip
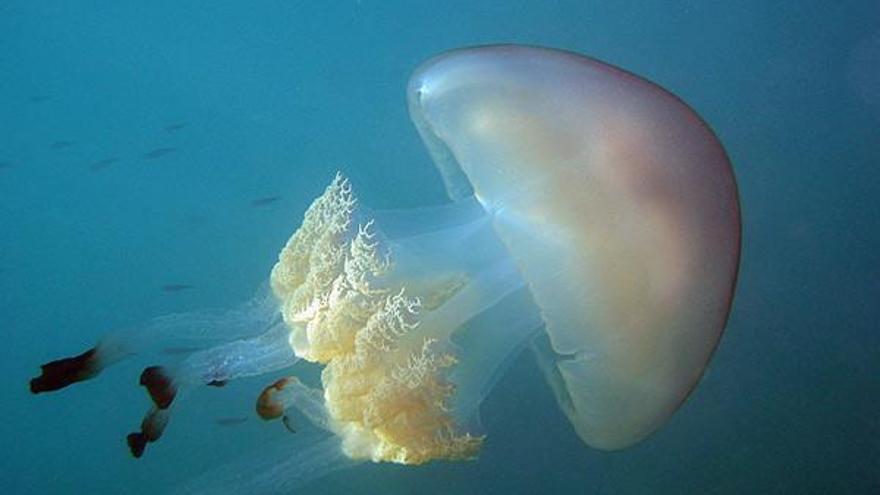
[61,373]
[281,398]
[152,427]
[160,386]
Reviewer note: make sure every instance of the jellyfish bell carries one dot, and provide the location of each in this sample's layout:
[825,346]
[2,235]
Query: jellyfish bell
[618,205]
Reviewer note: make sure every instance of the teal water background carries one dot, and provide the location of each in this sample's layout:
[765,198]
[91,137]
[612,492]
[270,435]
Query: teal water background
[275,97]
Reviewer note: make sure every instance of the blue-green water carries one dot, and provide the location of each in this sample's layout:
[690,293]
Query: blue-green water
[263,99]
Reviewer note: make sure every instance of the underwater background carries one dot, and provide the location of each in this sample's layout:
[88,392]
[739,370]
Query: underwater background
[155,156]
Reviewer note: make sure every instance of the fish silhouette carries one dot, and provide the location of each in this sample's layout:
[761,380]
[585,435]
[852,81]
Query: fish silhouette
[102,164]
[231,421]
[60,145]
[179,350]
[175,126]
[159,153]
[176,287]
[265,200]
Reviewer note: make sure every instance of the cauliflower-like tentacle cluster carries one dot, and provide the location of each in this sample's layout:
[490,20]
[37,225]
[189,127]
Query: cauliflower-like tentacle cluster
[388,401]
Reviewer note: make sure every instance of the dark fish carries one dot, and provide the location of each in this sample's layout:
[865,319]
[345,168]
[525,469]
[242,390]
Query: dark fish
[39,98]
[102,164]
[4,165]
[175,126]
[159,153]
[60,145]
[176,287]
[230,421]
[268,200]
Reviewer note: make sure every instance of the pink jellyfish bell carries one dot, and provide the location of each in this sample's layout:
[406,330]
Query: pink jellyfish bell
[617,204]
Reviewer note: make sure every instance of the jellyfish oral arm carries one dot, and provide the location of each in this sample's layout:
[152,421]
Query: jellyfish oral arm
[283,466]
[246,357]
[289,394]
[174,334]
[206,347]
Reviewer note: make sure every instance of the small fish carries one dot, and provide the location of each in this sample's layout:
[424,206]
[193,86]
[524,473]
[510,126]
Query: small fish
[159,153]
[4,165]
[288,423]
[175,126]
[102,164]
[39,98]
[265,201]
[176,351]
[232,421]
[176,287]
[60,145]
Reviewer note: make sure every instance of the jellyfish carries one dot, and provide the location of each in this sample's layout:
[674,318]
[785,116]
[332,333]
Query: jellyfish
[592,217]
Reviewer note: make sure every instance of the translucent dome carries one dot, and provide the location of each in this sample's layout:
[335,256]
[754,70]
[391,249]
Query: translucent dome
[617,204]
